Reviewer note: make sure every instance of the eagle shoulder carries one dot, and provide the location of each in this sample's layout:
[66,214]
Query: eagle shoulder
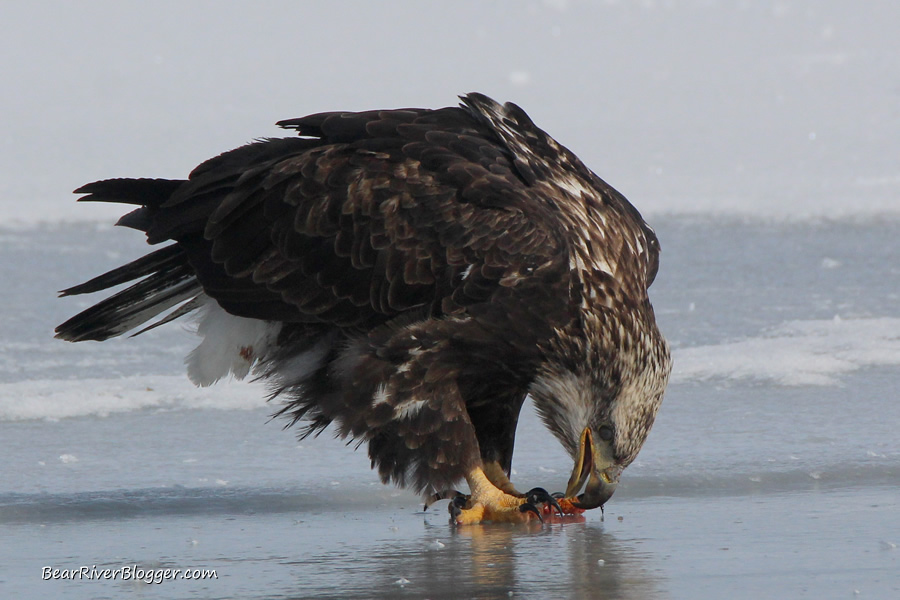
[366,216]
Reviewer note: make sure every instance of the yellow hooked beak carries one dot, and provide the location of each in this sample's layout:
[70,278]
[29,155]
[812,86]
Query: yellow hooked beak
[594,465]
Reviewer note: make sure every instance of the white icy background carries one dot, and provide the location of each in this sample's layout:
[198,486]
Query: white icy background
[759,138]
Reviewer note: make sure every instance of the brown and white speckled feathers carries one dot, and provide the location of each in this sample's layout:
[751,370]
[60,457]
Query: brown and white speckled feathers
[416,274]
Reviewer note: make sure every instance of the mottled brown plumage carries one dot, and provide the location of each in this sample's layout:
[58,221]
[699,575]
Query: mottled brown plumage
[410,276]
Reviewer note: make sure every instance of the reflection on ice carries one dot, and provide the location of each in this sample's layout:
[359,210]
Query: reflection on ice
[492,561]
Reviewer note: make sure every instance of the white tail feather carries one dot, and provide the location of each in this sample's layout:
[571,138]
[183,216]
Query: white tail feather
[231,345]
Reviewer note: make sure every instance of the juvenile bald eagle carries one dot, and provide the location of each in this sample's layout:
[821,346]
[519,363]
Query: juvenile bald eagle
[409,277]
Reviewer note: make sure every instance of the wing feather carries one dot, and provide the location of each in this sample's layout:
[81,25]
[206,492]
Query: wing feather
[343,234]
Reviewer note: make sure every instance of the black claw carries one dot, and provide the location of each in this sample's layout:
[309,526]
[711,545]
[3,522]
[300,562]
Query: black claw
[442,495]
[460,500]
[558,495]
[430,500]
[529,507]
[540,496]
[457,504]
[454,510]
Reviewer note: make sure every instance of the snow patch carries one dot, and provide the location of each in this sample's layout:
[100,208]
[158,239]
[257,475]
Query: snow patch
[807,352]
[64,399]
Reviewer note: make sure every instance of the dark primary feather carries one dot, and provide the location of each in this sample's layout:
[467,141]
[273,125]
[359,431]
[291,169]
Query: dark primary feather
[160,260]
[433,243]
[133,306]
[142,192]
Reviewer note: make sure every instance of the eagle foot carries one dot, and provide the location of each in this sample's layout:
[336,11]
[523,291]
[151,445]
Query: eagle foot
[510,509]
[540,497]
[464,512]
[489,503]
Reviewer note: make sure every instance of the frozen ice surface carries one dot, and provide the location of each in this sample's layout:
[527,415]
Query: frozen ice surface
[772,469]
[760,140]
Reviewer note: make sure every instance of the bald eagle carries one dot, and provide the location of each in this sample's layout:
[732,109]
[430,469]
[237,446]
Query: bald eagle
[408,277]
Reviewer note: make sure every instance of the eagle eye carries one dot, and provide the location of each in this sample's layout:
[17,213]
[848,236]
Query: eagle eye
[606,433]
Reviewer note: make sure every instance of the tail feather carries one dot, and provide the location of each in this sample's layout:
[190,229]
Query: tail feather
[188,307]
[166,279]
[160,260]
[141,192]
[132,307]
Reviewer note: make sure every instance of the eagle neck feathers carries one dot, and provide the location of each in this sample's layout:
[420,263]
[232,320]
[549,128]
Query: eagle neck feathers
[610,364]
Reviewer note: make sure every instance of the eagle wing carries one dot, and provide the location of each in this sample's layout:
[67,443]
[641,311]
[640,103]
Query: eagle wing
[368,216]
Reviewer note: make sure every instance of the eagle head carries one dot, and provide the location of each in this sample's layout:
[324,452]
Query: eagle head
[599,392]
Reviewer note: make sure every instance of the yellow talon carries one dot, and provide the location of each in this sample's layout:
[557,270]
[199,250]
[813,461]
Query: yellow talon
[496,475]
[489,503]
